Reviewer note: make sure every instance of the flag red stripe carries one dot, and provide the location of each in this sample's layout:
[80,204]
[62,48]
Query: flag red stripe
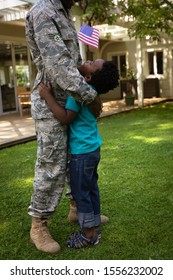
[89,42]
[84,37]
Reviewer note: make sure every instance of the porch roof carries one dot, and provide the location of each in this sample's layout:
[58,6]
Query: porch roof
[14,10]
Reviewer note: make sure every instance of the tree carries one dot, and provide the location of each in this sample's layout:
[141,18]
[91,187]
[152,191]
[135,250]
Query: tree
[151,18]
[98,12]
[146,17]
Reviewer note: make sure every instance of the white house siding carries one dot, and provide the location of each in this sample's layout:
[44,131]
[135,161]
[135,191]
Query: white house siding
[165,79]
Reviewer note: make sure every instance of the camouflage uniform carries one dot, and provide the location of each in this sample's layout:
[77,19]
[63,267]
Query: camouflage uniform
[54,48]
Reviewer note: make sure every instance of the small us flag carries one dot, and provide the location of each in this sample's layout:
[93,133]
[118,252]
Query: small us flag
[89,35]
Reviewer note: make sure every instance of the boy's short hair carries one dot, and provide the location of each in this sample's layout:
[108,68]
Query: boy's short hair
[105,79]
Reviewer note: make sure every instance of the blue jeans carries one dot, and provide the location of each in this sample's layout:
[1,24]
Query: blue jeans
[83,179]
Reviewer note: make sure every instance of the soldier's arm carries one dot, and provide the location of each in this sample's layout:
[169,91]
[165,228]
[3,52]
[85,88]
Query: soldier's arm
[30,34]
[63,115]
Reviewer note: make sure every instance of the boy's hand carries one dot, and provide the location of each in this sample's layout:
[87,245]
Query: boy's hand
[45,91]
[96,106]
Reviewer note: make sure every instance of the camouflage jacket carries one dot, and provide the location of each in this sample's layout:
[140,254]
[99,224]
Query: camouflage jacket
[54,47]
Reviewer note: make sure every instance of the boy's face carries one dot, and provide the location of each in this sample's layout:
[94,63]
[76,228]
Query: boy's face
[89,67]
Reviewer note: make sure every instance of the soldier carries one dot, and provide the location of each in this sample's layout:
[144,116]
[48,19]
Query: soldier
[54,48]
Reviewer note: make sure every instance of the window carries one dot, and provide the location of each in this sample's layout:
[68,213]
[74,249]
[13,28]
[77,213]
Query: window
[120,61]
[155,63]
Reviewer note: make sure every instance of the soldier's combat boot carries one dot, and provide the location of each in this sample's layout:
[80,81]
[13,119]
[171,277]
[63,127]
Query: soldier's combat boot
[73,218]
[41,237]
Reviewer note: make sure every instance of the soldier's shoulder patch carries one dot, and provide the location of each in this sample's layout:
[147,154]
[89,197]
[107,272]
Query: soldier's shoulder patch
[55,37]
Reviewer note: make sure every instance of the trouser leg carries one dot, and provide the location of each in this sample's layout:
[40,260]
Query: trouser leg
[83,175]
[50,168]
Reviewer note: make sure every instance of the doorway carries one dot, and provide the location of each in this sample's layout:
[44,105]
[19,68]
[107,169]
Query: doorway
[14,75]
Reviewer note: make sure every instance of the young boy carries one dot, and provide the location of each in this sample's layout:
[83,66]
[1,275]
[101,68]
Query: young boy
[84,142]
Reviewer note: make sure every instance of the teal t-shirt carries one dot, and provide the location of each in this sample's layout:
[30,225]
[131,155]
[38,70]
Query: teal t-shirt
[83,131]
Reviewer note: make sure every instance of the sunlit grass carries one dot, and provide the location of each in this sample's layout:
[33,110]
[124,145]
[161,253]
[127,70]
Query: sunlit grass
[135,181]
[149,140]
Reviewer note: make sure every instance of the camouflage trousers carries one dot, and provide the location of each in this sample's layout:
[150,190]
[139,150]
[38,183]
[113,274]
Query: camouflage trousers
[50,168]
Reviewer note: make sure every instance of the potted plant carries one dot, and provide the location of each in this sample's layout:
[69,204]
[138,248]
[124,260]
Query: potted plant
[129,86]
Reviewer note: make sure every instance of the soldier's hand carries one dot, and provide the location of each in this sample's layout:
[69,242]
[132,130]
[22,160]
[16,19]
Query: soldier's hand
[96,106]
[45,90]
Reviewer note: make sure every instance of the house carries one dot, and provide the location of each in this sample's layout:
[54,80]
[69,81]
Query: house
[151,61]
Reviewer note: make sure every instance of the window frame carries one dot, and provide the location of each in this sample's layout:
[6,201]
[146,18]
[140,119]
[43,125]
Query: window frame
[154,64]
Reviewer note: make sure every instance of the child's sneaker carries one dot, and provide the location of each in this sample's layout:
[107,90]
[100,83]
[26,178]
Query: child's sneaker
[79,240]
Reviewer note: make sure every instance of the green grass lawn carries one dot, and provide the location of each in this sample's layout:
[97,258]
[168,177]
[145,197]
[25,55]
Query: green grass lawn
[136,187]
